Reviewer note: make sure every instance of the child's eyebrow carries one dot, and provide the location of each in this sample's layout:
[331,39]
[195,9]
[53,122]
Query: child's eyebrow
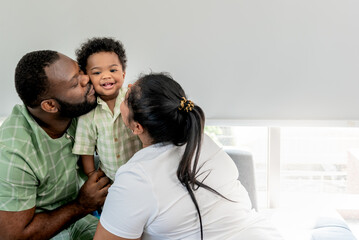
[94,68]
[112,65]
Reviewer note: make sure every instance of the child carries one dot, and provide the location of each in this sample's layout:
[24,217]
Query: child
[102,130]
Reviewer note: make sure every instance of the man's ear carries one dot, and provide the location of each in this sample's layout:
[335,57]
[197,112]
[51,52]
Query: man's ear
[49,105]
[137,128]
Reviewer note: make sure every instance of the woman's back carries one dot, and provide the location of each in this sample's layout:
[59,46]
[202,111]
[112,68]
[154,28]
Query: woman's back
[164,209]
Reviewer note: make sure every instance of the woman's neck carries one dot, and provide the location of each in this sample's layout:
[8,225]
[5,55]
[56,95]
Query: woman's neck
[145,139]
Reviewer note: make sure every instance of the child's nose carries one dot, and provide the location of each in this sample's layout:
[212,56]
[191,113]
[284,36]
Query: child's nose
[106,75]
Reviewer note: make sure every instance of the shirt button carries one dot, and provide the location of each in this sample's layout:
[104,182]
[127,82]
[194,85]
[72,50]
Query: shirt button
[68,136]
[115,139]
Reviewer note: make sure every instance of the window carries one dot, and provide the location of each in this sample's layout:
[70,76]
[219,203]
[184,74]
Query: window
[320,164]
[317,165]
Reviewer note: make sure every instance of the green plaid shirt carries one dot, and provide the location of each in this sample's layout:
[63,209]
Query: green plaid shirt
[35,170]
[106,133]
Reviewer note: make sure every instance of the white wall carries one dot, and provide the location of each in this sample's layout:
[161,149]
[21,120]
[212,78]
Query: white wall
[239,59]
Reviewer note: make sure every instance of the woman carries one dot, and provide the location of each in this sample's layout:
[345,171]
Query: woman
[181,185]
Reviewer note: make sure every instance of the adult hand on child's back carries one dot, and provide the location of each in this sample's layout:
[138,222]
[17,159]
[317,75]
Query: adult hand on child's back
[93,193]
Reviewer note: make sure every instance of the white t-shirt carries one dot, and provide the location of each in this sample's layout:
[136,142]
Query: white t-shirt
[148,200]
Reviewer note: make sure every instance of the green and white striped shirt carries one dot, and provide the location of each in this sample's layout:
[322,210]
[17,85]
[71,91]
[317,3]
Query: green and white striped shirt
[105,132]
[35,170]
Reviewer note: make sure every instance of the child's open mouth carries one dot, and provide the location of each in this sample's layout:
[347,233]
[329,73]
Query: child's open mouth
[107,85]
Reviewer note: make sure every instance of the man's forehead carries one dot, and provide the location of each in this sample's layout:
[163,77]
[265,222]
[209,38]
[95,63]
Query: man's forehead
[64,68]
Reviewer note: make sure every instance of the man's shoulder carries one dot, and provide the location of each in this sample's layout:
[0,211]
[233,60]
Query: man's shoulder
[18,118]
[17,126]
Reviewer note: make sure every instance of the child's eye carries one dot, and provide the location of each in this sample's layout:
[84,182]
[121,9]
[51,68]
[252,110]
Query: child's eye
[113,70]
[96,73]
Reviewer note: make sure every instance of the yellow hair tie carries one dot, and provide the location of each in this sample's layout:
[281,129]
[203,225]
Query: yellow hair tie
[189,105]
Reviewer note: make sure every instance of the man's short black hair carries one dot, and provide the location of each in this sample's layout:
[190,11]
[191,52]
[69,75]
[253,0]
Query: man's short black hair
[95,45]
[31,82]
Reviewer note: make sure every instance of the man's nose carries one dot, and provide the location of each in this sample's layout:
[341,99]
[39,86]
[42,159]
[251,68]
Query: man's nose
[84,79]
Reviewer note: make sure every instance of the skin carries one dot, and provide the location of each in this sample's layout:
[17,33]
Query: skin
[136,127]
[102,233]
[66,82]
[107,76]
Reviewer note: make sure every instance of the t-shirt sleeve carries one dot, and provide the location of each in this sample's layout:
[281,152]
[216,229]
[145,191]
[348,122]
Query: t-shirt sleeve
[86,135]
[18,184]
[129,204]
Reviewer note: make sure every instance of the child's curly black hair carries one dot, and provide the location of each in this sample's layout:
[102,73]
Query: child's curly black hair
[95,45]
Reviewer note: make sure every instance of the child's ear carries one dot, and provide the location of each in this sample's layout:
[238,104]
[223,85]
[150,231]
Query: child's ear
[124,74]
[49,105]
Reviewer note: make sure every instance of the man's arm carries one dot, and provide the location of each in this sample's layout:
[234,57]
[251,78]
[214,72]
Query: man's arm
[30,225]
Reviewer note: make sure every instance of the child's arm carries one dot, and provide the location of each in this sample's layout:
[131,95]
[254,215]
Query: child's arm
[88,164]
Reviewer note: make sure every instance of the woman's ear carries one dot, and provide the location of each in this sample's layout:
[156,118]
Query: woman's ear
[137,128]
[49,105]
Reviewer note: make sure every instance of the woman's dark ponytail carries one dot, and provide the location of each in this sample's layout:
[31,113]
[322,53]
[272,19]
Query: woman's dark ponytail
[186,171]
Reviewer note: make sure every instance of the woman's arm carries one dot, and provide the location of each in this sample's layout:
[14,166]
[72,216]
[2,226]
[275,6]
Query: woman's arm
[102,233]
[129,205]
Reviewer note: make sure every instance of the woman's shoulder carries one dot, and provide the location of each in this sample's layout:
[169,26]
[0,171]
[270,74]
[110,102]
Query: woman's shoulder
[209,148]
[134,175]
[209,142]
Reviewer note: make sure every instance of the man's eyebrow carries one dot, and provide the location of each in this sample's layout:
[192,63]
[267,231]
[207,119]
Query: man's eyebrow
[74,78]
[76,75]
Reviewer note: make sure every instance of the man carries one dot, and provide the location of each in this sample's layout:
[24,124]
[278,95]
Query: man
[39,197]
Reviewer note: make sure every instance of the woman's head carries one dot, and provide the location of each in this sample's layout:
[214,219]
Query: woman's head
[159,104]
[154,101]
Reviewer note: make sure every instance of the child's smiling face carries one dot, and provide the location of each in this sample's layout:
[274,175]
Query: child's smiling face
[106,74]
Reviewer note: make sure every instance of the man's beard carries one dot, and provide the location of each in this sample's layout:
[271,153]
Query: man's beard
[71,110]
